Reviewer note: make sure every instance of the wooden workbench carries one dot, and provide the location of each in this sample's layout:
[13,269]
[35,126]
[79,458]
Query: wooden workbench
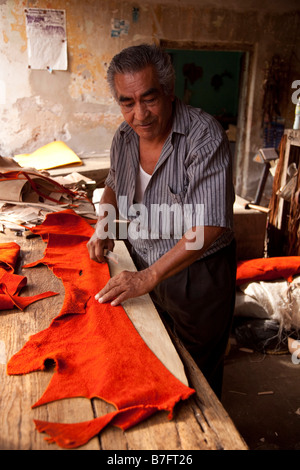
[199,423]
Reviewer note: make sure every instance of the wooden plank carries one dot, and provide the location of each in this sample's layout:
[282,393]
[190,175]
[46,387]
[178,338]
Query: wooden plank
[199,423]
[146,319]
[196,425]
[183,432]
[19,393]
[213,418]
[94,168]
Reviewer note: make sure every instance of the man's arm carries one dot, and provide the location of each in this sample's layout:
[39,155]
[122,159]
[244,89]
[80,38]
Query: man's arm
[134,284]
[97,246]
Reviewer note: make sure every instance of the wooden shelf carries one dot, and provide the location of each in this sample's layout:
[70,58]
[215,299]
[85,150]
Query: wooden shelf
[283,218]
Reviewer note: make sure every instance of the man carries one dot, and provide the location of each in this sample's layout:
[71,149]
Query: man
[167,154]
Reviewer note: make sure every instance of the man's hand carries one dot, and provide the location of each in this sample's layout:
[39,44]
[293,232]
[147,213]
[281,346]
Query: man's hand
[126,285]
[97,248]
[133,284]
[99,243]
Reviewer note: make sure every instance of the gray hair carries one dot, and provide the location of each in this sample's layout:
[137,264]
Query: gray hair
[136,58]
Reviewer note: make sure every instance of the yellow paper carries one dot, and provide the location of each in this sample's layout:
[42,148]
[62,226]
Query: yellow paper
[49,156]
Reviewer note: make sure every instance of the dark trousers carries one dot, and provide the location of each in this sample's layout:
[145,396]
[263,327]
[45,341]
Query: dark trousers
[199,301]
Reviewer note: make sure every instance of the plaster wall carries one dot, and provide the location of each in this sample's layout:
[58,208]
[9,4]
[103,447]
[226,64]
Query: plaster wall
[37,107]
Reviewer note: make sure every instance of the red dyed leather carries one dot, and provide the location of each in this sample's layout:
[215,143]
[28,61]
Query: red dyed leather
[11,284]
[96,348]
[268,269]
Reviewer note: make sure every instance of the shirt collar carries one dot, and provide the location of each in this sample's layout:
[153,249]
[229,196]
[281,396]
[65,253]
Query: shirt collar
[180,117]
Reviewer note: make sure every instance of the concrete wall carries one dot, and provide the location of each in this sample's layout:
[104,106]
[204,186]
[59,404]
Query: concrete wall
[37,107]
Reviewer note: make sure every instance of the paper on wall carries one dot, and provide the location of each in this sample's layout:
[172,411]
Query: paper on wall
[46,39]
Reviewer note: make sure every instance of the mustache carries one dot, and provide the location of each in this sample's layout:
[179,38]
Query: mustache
[146,123]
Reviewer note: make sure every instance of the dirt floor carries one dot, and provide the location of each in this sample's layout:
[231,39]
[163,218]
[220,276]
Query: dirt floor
[261,393]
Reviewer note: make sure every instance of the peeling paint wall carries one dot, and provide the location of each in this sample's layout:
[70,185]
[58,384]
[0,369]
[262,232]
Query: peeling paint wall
[74,106]
[37,107]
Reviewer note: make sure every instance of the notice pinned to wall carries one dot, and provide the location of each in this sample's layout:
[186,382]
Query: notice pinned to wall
[46,39]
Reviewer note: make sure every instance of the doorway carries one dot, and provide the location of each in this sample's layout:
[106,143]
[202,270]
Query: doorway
[210,80]
[217,78]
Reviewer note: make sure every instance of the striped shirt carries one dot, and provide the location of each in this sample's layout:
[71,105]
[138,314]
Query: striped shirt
[194,171]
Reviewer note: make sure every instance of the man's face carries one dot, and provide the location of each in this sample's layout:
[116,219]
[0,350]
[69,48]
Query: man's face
[143,104]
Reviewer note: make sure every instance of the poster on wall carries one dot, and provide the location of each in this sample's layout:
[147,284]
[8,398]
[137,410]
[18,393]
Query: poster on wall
[46,39]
